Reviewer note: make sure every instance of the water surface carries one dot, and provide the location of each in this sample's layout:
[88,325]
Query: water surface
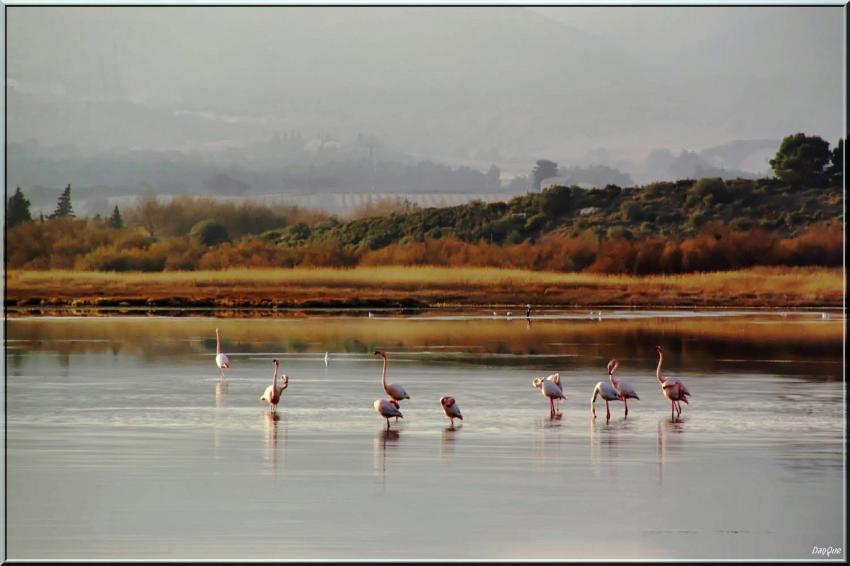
[123,442]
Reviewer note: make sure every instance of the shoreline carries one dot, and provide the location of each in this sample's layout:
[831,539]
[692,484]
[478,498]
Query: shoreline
[417,288]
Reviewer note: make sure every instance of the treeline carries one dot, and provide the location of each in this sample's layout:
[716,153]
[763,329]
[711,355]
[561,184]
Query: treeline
[92,244]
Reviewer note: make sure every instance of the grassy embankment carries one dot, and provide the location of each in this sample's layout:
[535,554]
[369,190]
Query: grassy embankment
[376,287]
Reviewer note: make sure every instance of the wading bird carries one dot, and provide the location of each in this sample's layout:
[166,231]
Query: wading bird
[221,359]
[451,408]
[672,388]
[527,311]
[387,408]
[327,359]
[608,393]
[273,391]
[548,388]
[394,390]
[625,390]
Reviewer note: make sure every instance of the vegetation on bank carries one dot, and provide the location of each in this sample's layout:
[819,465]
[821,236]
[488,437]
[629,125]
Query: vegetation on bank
[671,227]
[422,287]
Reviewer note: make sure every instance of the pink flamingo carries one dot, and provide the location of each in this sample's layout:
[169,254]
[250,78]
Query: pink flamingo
[549,388]
[221,359]
[451,408]
[624,390]
[672,388]
[273,392]
[394,390]
[387,408]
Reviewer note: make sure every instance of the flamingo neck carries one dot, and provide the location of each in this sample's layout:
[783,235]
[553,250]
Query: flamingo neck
[274,377]
[658,370]
[384,374]
[217,342]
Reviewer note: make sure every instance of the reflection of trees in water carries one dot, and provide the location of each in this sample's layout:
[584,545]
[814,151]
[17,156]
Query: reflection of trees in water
[692,345]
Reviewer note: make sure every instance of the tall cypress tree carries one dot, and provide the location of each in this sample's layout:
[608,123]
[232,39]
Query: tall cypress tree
[115,221]
[63,206]
[17,209]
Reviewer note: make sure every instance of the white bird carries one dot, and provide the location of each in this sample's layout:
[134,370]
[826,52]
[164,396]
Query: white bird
[387,408]
[273,391]
[394,390]
[509,314]
[451,408]
[608,393]
[495,314]
[625,390]
[550,389]
[824,315]
[556,379]
[673,389]
[221,360]
[371,315]
[327,358]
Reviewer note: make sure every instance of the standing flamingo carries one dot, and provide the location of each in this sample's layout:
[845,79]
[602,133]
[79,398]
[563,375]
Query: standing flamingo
[625,390]
[273,392]
[451,408]
[387,408]
[548,388]
[556,379]
[608,393]
[672,388]
[221,359]
[394,390]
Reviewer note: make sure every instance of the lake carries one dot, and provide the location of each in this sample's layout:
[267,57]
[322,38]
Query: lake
[124,442]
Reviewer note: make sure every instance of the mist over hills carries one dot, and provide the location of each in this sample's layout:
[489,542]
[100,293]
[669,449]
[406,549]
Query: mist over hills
[260,101]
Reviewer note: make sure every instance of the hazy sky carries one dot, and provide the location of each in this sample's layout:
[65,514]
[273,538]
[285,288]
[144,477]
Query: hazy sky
[461,85]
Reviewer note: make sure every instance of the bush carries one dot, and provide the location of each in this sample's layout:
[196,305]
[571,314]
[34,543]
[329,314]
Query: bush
[210,233]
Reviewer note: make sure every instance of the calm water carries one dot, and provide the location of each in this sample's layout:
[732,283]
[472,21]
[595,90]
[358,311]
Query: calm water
[124,443]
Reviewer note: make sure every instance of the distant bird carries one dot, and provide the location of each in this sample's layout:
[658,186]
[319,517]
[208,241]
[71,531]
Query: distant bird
[608,393]
[625,390]
[394,390]
[509,314]
[550,389]
[387,408]
[273,391]
[451,408]
[327,358]
[824,315]
[495,314]
[221,359]
[527,311]
[672,388]
[371,315]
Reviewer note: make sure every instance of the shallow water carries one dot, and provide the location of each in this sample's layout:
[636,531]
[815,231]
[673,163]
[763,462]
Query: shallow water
[123,442]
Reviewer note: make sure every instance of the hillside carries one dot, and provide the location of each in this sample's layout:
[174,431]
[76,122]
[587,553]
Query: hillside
[674,210]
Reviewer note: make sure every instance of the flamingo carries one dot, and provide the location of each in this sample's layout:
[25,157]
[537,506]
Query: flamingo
[273,392]
[509,314]
[221,359]
[625,390]
[608,393]
[556,379]
[387,408]
[327,358]
[451,408]
[394,390]
[672,388]
[549,389]
[527,311]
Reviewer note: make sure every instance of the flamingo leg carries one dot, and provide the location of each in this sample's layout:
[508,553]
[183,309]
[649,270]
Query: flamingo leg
[626,402]
[607,411]
[388,423]
[673,410]
[551,407]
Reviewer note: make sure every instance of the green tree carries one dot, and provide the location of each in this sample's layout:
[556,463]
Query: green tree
[115,221]
[543,170]
[801,160]
[835,171]
[17,209]
[64,209]
[210,232]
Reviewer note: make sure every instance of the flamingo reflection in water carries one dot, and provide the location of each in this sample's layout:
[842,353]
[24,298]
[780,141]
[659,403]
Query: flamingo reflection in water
[271,423]
[385,440]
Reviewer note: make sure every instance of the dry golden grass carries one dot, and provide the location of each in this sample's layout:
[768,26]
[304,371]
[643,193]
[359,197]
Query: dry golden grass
[761,286]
